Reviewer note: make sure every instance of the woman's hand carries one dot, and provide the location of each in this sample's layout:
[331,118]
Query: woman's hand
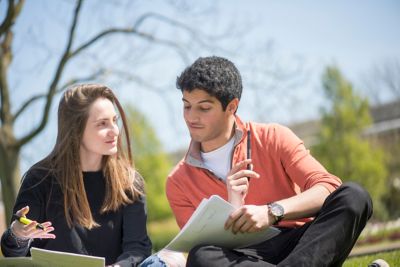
[29,231]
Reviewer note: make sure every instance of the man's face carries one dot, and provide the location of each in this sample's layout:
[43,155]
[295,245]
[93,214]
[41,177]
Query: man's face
[205,119]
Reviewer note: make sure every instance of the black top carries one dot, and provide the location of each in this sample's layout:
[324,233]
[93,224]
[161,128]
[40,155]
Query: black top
[121,237]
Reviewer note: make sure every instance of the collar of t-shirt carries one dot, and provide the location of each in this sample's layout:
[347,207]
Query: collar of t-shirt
[219,160]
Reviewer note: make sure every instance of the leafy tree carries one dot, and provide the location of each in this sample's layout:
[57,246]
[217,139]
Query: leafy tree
[391,144]
[342,148]
[151,162]
[382,82]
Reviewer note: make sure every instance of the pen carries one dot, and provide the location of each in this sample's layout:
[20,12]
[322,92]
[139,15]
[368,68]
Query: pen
[248,151]
[26,221]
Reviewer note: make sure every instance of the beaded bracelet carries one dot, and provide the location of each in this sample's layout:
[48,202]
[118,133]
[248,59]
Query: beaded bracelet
[21,242]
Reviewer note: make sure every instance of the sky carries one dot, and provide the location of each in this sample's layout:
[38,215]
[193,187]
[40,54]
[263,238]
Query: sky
[295,40]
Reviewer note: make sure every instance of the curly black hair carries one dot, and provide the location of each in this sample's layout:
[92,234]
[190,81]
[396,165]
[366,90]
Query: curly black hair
[216,75]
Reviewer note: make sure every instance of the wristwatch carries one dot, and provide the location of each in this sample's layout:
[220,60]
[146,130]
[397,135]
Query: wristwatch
[277,211]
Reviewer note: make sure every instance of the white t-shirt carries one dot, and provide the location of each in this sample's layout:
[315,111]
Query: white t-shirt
[219,161]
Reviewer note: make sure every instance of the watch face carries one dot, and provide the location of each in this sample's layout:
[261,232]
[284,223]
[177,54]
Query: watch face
[277,210]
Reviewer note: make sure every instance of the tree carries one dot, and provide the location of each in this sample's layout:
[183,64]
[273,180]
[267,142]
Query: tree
[341,148]
[77,45]
[383,81]
[151,162]
[133,45]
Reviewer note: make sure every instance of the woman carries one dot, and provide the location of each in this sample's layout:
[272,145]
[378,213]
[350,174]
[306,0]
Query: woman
[86,192]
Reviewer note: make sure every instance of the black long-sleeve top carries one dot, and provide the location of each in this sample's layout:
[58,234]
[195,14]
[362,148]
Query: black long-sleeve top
[121,237]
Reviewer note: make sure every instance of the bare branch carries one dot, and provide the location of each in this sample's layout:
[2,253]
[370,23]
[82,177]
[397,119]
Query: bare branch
[382,81]
[163,94]
[165,19]
[132,77]
[6,38]
[390,77]
[133,31]
[53,86]
[62,88]
[12,13]
[195,35]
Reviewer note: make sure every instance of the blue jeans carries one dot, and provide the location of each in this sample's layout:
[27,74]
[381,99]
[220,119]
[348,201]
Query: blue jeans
[153,261]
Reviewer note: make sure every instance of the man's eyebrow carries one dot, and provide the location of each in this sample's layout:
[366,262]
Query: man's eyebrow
[201,101]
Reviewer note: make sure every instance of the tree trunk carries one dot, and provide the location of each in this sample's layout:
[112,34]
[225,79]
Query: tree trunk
[10,178]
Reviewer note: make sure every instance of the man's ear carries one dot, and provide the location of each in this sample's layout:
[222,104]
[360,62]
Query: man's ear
[233,106]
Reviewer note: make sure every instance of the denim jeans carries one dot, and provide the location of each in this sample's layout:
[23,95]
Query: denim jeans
[153,261]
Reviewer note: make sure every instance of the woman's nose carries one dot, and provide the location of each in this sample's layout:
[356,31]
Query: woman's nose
[114,131]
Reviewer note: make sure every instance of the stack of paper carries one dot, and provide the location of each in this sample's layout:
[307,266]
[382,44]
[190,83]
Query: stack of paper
[206,227]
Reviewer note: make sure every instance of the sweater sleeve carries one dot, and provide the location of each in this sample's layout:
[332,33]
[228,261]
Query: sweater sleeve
[136,243]
[29,195]
[11,247]
[300,165]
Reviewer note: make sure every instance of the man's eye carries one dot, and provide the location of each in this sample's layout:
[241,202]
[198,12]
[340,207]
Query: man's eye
[205,109]
[186,107]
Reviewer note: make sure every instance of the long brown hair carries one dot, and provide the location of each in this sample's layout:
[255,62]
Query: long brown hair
[123,184]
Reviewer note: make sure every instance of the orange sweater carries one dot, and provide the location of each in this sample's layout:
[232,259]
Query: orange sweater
[286,168]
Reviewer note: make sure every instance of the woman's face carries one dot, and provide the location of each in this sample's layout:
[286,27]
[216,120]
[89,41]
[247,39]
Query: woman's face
[101,132]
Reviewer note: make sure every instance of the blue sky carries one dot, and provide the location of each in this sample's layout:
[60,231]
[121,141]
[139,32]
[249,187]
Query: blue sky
[353,35]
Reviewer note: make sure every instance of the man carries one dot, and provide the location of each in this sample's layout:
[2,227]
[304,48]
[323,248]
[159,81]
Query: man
[281,184]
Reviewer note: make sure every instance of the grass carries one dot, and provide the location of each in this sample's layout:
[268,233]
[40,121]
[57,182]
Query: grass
[162,232]
[393,258]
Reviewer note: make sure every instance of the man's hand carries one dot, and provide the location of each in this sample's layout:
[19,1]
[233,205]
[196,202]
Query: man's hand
[249,218]
[237,182]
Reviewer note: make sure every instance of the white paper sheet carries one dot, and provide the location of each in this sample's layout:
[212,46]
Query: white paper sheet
[48,258]
[206,226]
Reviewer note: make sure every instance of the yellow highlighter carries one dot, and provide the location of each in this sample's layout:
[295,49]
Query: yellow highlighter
[26,221]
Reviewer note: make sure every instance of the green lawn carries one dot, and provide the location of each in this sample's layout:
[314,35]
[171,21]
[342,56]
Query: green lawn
[162,232]
[393,258]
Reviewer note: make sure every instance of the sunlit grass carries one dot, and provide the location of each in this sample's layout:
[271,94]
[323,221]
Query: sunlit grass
[393,258]
[162,232]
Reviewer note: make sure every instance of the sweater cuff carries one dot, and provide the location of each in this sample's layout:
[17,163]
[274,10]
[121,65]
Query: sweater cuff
[13,246]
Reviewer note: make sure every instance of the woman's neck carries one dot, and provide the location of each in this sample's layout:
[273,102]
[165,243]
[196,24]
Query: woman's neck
[91,166]
[90,163]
